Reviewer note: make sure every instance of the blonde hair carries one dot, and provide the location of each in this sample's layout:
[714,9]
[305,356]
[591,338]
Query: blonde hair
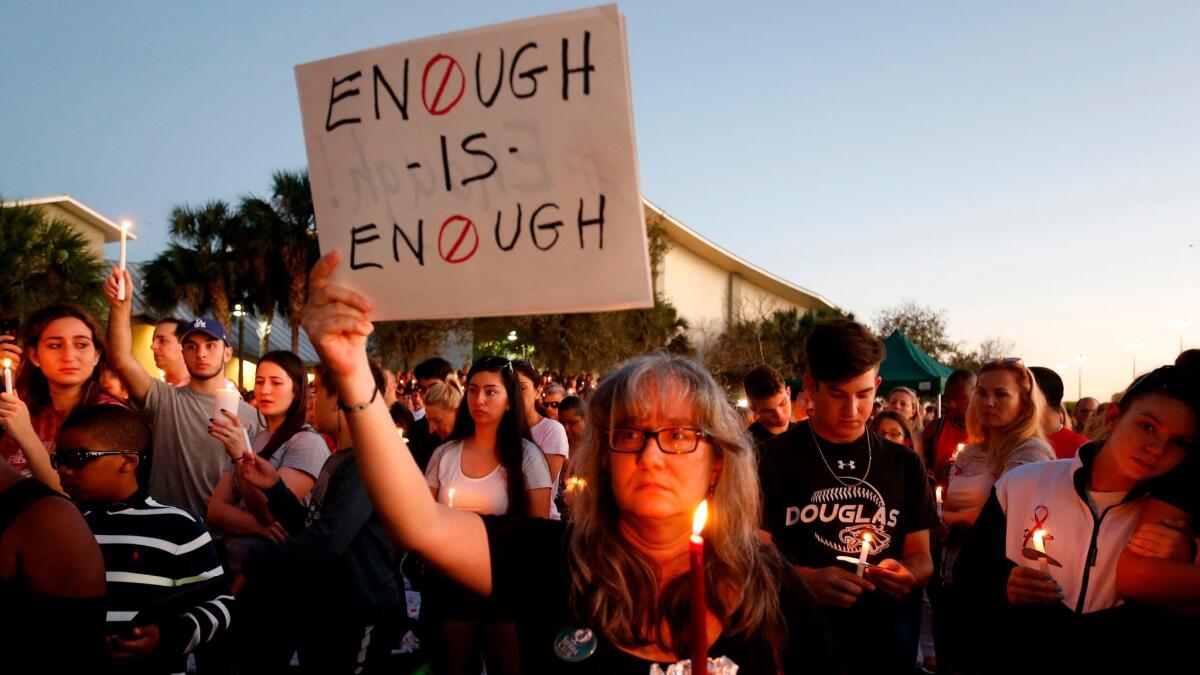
[916,422]
[445,395]
[999,445]
[614,586]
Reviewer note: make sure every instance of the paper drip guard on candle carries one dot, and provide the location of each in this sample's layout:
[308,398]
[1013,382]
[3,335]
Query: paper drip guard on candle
[1038,552]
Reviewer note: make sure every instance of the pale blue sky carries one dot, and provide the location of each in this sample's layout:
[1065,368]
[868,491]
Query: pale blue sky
[1033,170]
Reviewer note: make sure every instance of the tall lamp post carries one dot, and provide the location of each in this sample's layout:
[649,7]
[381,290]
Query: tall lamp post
[1080,358]
[1134,347]
[241,317]
[1182,325]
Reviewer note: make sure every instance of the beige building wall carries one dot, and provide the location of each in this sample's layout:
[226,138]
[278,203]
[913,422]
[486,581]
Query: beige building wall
[93,234]
[697,288]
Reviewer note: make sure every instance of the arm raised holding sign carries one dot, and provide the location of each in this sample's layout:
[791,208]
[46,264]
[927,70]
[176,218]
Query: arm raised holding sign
[335,319]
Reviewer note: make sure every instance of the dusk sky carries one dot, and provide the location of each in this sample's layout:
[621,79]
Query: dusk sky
[1032,169]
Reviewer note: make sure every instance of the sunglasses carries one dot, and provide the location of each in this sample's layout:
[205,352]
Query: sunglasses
[74,458]
[1006,360]
[551,404]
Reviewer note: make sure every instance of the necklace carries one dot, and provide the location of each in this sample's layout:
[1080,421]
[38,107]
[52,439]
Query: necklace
[826,461]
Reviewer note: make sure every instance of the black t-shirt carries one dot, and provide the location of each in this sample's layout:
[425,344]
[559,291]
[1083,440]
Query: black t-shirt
[760,433]
[530,576]
[881,488]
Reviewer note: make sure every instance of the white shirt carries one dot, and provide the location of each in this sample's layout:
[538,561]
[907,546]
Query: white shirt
[551,437]
[487,494]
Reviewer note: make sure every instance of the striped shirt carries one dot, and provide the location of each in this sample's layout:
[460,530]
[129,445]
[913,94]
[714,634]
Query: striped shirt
[160,561]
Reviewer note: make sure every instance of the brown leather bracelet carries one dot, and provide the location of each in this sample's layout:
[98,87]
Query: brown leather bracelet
[358,407]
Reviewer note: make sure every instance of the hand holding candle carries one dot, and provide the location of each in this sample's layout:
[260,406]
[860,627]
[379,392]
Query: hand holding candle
[699,605]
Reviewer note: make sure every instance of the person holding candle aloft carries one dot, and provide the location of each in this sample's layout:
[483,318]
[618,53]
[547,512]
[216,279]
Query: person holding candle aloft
[292,447]
[661,438]
[829,481]
[65,352]
[188,463]
[1088,508]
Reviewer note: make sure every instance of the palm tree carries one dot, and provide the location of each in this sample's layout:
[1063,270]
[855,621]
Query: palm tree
[287,226]
[199,267]
[46,261]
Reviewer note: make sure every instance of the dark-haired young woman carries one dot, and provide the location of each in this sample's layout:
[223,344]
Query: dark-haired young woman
[293,448]
[64,353]
[488,466]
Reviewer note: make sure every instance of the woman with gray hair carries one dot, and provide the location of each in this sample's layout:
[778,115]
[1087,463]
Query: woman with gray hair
[609,593]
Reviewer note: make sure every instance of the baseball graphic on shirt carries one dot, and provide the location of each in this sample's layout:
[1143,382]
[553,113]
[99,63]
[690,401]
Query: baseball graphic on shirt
[841,515]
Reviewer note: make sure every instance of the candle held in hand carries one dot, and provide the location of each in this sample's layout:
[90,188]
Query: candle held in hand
[1039,544]
[938,495]
[862,554]
[227,399]
[699,651]
[121,282]
[8,376]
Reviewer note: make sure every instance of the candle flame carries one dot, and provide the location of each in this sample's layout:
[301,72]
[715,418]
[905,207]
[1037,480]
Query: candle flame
[125,225]
[866,537]
[1039,538]
[7,363]
[939,494]
[701,517]
[450,497]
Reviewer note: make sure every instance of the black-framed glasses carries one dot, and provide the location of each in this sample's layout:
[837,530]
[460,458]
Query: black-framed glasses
[672,441]
[74,458]
[551,404]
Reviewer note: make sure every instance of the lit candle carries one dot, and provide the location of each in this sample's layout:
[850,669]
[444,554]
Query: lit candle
[699,600]
[8,376]
[162,375]
[938,494]
[400,431]
[1039,545]
[450,497]
[954,457]
[121,264]
[862,554]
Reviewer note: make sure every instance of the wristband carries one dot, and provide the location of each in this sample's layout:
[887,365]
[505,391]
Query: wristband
[358,407]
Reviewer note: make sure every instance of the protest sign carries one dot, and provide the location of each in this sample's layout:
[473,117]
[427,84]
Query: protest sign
[482,173]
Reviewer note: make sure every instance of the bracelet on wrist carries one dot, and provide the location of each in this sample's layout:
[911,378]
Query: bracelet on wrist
[358,407]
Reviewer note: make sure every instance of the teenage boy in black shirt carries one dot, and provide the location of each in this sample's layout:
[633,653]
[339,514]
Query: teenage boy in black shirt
[827,482]
[770,399]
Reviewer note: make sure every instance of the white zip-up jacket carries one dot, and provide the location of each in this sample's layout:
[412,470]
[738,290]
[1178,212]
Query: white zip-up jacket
[1083,548]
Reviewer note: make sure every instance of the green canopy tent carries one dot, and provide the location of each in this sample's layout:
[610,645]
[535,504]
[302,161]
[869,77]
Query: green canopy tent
[907,366]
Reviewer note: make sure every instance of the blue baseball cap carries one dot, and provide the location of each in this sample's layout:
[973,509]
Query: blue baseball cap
[207,326]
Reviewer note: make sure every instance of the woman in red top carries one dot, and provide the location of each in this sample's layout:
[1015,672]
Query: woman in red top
[64,352]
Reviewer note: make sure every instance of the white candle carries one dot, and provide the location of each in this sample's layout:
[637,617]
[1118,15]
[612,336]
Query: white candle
[938,494]
[1039,545]
[450,497]
[227,399]
[121,265]
[862,554]
[8,376]
[954,457]
[162,375]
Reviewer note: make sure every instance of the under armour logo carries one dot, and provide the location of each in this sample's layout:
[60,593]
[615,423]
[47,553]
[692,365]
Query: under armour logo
[846,465]
[199,323]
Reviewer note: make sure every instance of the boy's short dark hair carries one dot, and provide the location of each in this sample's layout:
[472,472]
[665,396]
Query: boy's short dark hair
[177,323]
[840,349]
[436,368]
[571,404]
[796,384]
[114,427]
[763,382]
[960,376]
[1050,384]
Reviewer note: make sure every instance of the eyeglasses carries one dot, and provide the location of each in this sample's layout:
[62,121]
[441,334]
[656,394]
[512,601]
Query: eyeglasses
[1006,360]
[74,458]
[551,404]
[672,441]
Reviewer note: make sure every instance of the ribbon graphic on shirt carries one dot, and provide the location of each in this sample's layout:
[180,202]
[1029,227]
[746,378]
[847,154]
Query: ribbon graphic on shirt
[1040,515]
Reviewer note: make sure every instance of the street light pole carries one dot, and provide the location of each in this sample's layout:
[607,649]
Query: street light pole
[1182,325]
[1134,347]
[1080,358]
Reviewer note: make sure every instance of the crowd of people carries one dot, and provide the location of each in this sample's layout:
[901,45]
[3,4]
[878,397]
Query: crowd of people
[499,519]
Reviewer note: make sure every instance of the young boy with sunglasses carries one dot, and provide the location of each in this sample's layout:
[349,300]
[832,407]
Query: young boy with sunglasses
[1040,568]
[166,592]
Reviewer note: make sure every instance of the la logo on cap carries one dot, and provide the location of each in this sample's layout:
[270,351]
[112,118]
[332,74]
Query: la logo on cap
[199,323]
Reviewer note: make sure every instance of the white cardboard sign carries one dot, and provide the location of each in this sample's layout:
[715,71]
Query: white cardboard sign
[482,173]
